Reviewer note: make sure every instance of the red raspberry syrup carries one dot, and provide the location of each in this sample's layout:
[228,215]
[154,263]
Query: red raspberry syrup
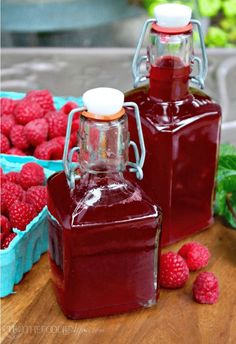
[107,261]
[181,128]
[103,231]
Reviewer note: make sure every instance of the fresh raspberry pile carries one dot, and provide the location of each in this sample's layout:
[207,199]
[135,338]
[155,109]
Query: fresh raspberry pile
[30,126]
[175,268]
[23,196]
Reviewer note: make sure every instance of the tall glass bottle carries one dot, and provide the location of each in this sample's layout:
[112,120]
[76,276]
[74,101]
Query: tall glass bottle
[103,230]
[181,125]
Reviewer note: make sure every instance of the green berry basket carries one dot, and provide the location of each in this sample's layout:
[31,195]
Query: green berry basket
[27,246]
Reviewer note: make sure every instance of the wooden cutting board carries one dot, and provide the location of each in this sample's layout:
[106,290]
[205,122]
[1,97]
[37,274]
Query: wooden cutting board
[33,316]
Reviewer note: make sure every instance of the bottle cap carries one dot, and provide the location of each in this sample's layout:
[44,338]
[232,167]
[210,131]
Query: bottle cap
[172,15]
[103,101]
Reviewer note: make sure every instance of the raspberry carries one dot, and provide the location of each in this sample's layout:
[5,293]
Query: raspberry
[75,157]
[74,139]
[47,150]
[37,196]
[21,214]
[7,240]
[36,131]
[43,98]
[4,224]
[12,177]
[18,137]
[2,176]
[5,144]
[8,121]
[60,140]
[173,271]
[195,254]
[58,154]
[26,111]
[206,288]
[15,151]
[57,123]
[31,174]
[2,237]
[10,192]
[68,107]
[7,106]
[3,205]
[75,125]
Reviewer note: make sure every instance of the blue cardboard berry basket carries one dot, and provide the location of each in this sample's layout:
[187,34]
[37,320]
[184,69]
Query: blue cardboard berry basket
[53,165]
[28,245]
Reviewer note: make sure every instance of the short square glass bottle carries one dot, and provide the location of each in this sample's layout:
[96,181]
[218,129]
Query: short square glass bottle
[104,232]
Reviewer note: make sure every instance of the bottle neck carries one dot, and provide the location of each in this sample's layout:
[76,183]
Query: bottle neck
[103,146]
[169,64]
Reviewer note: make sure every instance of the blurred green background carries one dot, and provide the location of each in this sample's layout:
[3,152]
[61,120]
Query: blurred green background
[104,23]
[221,15]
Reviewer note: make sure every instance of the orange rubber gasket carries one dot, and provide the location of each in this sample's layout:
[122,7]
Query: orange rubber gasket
[172,30]
[104,117]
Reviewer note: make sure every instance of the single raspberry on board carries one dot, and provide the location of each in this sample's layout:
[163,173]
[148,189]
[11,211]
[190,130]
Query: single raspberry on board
[37,196]
[12,177]
[174,271]
[27,111]
[7,240]
[195,254]
[21,214]
[5,144]
[15,151]
[7,106]
[31,174]
[5,226]
[68,107]
[36,131]
[10,192]
[18,137]
[42,97]
[206,288]
[57,123]
[7,122]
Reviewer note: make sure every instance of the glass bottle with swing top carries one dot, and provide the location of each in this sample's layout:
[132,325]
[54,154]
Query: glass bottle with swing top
[181,124]
[104,232]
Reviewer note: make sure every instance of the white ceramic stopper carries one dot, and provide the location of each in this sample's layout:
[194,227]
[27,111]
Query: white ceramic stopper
[103,100]
[172,15]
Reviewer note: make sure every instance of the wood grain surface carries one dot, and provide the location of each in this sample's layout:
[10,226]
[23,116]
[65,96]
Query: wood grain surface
[31,315]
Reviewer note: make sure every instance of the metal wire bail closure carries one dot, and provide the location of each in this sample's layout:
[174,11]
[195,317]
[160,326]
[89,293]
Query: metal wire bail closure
[199,79]
[71,167]
[140,158]
[202,65]
[137,60]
